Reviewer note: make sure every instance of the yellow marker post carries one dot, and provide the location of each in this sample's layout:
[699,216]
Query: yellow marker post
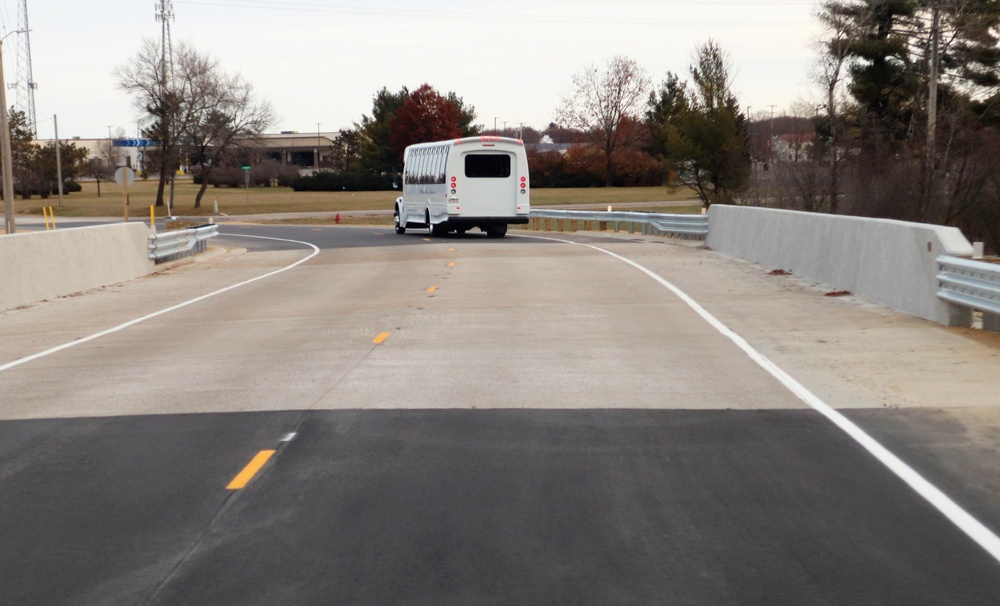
[45,213]
[152,218]
[52,215]
[243,478]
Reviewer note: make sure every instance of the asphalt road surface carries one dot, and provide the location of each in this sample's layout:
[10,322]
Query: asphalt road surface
[473,421]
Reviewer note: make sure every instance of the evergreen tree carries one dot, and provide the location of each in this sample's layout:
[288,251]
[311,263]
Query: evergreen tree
[703,133]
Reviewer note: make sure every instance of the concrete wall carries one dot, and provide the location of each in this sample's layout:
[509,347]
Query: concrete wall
[43,265]
[890,262]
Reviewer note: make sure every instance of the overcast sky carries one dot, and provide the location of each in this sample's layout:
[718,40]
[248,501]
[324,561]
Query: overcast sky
[323,60]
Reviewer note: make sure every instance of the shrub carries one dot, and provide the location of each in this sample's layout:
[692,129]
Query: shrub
[343,181]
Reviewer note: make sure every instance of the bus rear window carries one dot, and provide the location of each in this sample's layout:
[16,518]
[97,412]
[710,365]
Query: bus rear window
[487,166]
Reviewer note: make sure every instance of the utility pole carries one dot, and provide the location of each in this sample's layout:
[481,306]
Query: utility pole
[770,142]
[7,166]
[317,144]
[932,93]
[55,121]
[165,14]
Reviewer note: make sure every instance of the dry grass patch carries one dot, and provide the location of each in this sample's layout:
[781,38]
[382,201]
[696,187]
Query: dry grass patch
[268,200]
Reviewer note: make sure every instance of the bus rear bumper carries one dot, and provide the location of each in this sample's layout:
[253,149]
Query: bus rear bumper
[470,222]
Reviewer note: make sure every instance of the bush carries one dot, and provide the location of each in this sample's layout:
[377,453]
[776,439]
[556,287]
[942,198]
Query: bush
[264,174]
[343,181]
[583,166]
[69,187]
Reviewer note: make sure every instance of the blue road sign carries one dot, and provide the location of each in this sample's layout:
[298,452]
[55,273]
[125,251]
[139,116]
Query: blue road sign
[133,143]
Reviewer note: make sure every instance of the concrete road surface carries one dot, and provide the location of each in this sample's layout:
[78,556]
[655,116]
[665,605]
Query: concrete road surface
[466,420]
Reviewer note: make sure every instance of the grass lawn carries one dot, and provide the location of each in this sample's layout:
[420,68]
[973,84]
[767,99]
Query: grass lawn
[233,201]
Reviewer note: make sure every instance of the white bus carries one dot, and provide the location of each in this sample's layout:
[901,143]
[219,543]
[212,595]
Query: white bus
[464,183]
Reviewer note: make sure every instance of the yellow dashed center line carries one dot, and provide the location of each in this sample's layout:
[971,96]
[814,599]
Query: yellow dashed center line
[244,477]
[452,264]
[380,339]
[432,289]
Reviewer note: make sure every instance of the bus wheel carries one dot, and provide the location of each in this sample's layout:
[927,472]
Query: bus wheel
[436,230]
[400,229]
[497,231]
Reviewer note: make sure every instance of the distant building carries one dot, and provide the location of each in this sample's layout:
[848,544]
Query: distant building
[308,152]
[792,147]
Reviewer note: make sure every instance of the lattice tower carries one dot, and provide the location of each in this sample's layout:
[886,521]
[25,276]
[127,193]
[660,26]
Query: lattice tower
[24,87]
[165,14]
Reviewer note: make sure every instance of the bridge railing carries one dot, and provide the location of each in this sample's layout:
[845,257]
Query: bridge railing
[971,284]
[649,223]
[180,243]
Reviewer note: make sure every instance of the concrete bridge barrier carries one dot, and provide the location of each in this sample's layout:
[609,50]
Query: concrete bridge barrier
[889,262]
[36,266]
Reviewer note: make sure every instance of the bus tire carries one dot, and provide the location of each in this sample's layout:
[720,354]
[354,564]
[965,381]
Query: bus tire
[400,229]
[497,231]
[435,230]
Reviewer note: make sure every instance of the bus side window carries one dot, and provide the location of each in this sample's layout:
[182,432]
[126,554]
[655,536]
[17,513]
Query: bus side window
[442,160]
[422,167]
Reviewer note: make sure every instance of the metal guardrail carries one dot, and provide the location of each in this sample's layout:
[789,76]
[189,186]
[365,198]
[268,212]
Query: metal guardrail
[969,283]
[686,225]
[180,243]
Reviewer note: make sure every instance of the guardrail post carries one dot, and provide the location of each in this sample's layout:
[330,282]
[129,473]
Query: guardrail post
[991,322]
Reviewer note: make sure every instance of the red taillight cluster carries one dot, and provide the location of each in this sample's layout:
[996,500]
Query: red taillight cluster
[524,185]
[454,185]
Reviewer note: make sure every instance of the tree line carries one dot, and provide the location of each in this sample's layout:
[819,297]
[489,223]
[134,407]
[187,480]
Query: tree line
[906,123]
[34,166]
[611,130]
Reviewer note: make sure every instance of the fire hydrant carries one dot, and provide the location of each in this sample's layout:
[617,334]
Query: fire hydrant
[337,219]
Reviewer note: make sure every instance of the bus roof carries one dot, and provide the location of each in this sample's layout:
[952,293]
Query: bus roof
[483,141]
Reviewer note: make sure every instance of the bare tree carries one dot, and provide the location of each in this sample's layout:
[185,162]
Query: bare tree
[196,108]
[145,78]
[233,118]
[604,104]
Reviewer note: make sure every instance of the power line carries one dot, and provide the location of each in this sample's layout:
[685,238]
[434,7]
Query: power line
[521,17]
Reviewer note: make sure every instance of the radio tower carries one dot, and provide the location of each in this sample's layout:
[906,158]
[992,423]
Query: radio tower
[24,87]
[165,14]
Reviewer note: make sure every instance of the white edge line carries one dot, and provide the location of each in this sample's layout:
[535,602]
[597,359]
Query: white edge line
[121,327]
[972,527]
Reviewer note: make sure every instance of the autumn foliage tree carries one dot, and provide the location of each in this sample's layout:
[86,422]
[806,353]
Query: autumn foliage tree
[403,118]
[425,116]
